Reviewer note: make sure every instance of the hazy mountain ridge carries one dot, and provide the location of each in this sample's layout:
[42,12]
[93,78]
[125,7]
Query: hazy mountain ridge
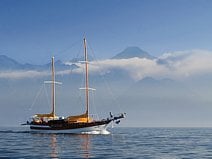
[112,73]
[7,63]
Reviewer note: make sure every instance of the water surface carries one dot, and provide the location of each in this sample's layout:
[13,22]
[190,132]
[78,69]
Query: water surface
[147,143]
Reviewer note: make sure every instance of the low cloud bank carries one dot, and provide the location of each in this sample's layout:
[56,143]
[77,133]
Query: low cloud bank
[174,65]
[22,74]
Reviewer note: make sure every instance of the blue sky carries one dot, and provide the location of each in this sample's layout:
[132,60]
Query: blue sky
[32,31]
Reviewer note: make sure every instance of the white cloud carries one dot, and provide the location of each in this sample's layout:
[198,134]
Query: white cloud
[189,63]
[174,65]
[137,68]
[17,74]
[22,74]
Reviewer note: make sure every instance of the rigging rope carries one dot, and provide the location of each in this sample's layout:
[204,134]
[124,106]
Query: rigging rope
[64,51]
[94,106]
[35,99]
[105,81]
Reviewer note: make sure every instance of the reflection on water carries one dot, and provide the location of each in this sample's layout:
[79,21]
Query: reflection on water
[54,151]
[79,141]
[85,145]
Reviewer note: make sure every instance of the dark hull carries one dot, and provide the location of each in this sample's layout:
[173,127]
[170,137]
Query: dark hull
[64,125]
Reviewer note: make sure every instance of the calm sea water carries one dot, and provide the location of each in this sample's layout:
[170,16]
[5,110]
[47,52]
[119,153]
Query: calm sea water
[147,143]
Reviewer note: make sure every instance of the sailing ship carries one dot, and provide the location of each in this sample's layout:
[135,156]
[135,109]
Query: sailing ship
[72,124]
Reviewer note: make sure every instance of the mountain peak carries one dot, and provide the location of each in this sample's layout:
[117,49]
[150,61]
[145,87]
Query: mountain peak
[8,63]
[131,52]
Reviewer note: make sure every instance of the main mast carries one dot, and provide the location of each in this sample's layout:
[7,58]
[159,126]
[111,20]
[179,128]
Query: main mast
[86,79]
[53,88]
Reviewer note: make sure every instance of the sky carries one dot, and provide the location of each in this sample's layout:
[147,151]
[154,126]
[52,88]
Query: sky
[172,89]
[33,31]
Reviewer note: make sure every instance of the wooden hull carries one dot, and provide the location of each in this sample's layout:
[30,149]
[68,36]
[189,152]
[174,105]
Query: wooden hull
[59,126]
[64,126]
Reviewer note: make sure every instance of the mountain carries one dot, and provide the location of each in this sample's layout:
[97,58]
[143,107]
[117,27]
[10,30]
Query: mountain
[59,65]
[160,90]
[131,52]
[7,63]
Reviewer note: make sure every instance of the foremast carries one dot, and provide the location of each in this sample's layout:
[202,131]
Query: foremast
[51,115]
